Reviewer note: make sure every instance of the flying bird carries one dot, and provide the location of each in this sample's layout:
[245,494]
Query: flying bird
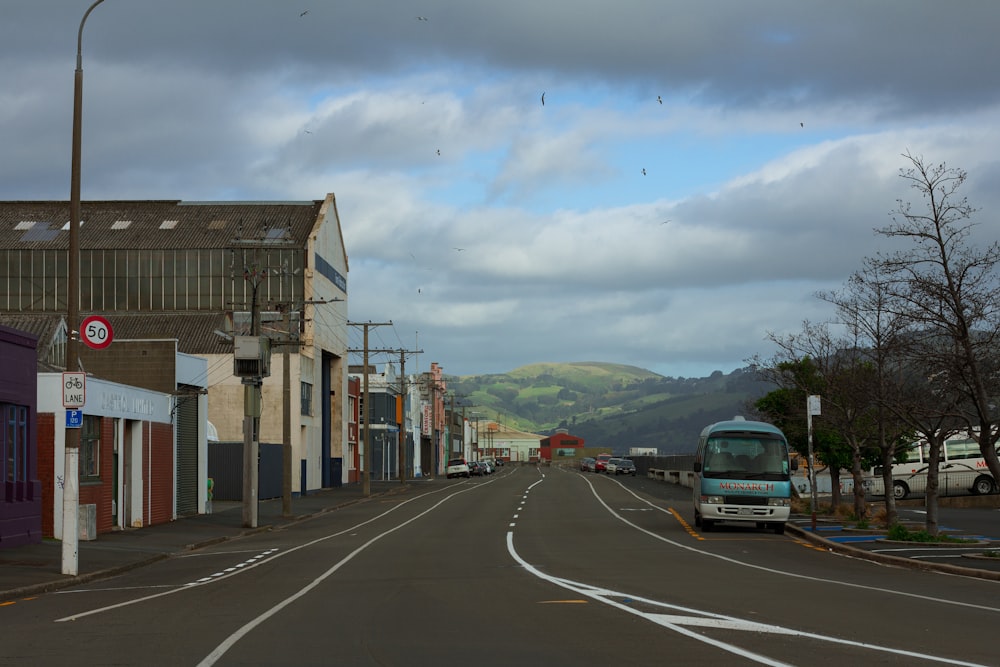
[664,222]
[439,151]
[459,249]
[303,13]
[802,124]
[643,172]
[543,99]
[659,99]
[421,18]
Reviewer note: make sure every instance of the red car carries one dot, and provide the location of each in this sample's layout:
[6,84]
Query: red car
[601,462]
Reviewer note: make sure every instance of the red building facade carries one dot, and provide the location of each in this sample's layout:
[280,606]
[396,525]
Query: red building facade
[127,456]
[560,445]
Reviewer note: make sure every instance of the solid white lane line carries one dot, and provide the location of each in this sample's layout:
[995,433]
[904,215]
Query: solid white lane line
[782,573]
[678,623]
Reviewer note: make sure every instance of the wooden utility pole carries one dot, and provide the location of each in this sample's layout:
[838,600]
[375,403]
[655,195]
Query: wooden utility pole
[366,475]
[71,449]
[401,433]
[286,414]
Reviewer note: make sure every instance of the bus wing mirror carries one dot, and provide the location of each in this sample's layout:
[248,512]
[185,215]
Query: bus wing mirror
[697,466]
[795,465]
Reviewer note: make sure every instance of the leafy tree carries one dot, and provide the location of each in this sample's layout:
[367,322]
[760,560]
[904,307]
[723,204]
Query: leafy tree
[785,407]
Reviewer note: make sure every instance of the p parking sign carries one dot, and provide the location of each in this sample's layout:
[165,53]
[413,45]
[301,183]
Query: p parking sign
[74,418]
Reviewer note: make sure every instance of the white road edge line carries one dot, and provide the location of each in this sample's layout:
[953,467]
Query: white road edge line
[772,570]
[709,619]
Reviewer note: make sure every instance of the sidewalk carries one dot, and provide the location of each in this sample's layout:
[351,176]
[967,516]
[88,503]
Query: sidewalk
[36,568]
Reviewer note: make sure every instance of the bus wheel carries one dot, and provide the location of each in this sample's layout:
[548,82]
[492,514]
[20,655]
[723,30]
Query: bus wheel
[900,490]
[779,528]
[707,524]
[983,486]
[697,520]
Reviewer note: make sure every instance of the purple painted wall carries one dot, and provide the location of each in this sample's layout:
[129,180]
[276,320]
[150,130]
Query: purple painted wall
[20,489]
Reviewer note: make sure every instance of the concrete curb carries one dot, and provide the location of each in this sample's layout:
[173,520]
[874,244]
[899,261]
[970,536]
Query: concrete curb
[887,559]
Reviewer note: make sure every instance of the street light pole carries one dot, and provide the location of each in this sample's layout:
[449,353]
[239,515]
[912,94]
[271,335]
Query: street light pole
[71,459]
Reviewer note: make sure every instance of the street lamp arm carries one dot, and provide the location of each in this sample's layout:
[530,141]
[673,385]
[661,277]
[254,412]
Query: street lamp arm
[79,35]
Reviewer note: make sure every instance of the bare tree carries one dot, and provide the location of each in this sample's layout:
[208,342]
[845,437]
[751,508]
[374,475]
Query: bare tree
[948,289]
[863,310]
[849,404]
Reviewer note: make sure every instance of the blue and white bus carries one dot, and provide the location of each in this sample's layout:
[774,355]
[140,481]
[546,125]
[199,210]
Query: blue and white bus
[962,469]
[742,474]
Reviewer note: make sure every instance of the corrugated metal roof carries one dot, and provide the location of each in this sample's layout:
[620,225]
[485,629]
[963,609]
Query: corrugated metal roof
[155,224]
[43,327]
[194,332]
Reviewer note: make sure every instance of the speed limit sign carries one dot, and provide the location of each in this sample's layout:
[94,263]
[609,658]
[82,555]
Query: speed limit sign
[95,332]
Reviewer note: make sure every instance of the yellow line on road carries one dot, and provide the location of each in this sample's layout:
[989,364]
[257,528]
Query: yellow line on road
[685,524]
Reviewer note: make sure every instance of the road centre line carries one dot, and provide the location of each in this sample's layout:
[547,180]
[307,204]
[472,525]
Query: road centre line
[231,641]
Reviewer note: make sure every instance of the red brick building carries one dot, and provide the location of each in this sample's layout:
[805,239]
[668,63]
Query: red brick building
[126,460]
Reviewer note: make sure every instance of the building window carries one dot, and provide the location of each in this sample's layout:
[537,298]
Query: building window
[14,443]
[90,448]
[306,395]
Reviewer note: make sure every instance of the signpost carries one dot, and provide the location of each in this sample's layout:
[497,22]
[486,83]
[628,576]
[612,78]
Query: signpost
[812,409]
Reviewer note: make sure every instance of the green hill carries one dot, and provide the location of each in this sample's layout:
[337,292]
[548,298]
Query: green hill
[609,405]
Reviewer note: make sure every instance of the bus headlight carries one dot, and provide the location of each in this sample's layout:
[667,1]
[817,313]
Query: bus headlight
[779,502]
[712,500]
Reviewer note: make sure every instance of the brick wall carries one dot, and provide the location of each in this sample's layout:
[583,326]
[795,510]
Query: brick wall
[46,468]
[157,474]
[101,492]
[158,446]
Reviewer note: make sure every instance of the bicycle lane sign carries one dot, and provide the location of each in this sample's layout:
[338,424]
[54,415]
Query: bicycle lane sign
[74,390]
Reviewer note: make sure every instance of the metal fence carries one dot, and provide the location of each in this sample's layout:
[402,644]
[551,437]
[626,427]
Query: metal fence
[225,467]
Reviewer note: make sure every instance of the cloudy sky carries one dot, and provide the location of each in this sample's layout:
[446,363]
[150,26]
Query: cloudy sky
[698,170]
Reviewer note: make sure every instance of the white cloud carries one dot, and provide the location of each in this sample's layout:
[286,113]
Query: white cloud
[773,156]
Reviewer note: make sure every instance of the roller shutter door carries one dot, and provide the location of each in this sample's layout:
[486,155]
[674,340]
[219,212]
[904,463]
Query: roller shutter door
[187,455]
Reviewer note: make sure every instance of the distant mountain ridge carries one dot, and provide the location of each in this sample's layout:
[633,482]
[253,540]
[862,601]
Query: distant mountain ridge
[609,405]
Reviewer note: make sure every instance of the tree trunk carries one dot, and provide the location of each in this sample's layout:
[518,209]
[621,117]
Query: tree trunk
[835,496]
[931,499]
[857,473]
[891,517]
[988,447]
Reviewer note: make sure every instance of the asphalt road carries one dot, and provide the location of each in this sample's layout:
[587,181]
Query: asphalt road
[526,566]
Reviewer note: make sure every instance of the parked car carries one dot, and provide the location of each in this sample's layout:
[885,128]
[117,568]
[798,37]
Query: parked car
[625,467]
[601,462]
[476,469]
[611,467]
[457,468]
[487,465]
[587,464]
